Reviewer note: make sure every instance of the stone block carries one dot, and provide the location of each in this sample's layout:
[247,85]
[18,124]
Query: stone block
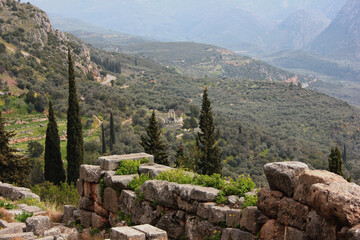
[272,230]
[85,218]
[98,221]
[292,213]
[294,234]
[197,193]
[203,209]
[187,206]
[80,186]
[352,233]
[338,202]
[86,204]
[318,228]
[172,223]
[107,178]
[153,169]
[144,213]
[87,189]
[233,217]
[11,230]
[218,214]
[96,193]
[126,233]
[68,213]
[32,209]
[100,210]
[268,202]
[283,176]
[38,224]
[162,192]
[152,233]
[112,162]
[235,234]
[46,238]
[119,182]
[252,219]
[233,199]
[15,193]
[197,228]
[91,173]
[308,178]
[110,200]
[52,232]
[25,236]
[127,201]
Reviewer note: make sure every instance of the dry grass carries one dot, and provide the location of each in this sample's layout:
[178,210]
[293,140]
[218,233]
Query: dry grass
[54,211]
[5,215]
[87,236]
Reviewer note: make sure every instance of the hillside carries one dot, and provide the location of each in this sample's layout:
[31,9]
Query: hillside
[259,121]
[341,39]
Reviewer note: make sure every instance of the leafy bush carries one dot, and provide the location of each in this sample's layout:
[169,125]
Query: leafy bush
[214,181]
[250,201]
[144,160]
[221,198]
[125,217]
[127,167]
[176,175]
[102,188]
[23,216]
[137,182]
[7,204]
[61,195]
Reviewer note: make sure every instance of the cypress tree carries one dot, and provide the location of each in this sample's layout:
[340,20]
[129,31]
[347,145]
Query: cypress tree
[103,145]
[335,161]
[344,154]
[75,144]
[54,169]
[13,168]
[209,162]
[112,132]
[152,143]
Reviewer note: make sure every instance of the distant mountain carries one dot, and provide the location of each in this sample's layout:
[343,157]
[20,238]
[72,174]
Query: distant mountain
[296,31]
[341,40]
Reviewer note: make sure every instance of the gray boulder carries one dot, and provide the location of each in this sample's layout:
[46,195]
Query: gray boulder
[162,192]
[112,162]
[68,213]
[38,224]
[235,234]
[126,233]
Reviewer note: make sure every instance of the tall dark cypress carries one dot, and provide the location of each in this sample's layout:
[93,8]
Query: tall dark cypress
[103,144]
[209,162]
[344,156]
[335,161]
[112,132]
[152,143]
[54,168]
[75,143]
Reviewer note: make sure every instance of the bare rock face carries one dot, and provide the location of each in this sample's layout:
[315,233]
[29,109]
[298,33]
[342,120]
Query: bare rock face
[294,234]
[268,201]
[197,228]
[203,209]
[173,223]
[353,233]
[318,228]
[38,224]
[68,213]
[100,210]
[292,213]
[233,217]
[272,229]
[110,200]
[252,219]
[15,193]
[127,201]
[187,206]
[85,218]
[80,186]
[96,193]
[162,192]
[310,177]
[235,234]
[86,204]
[283,176]
[144,213]
[98,221]
[337,201]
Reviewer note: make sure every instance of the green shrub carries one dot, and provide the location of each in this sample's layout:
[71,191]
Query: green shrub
[102,188]
[239,186]
[64,194]
[214,181]
[125,217]
[176,175]
[127,167]
[144,160]
[23,216]
[221,198]
[7,204]
[215,236]
[136,182]
[250,201]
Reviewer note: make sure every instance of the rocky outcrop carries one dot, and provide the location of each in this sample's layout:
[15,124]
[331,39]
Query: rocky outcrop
[15,193]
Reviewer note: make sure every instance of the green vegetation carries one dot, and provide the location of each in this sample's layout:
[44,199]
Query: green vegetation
[23,216]
[102,188]
[335,161]
[136,182]
[127,167]
[112,132]
[7,204]
[35,149]
[250,201]
[32,202]
[125,217]
[216,235]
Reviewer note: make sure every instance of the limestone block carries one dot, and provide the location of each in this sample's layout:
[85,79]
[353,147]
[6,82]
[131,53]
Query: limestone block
[121,181]
[337,201]
[127,201]
[187,206]
[47,238]
[203,209]
[85,218]
[162,192]
[197,228]
[308,178]
[107,178]
[126,233]
[38,224]
[91,173]
[272,230]
[153,169]
[233,199]
[25,236]
[292,213]
[197,193]
[96,193]
[294,234]
[318,228]
[152,233]
[100,210]
[283,176]
[112,162]
[233,217]
[252,219]
[80,186]
[110,200]
[68,213]
[11,230]
[235,234]
[33,209]
[268,202]
[87,189]
[86,204]
[218,214]
[145,213]
[15,193]
[52,232]
[172,224]
[98,221]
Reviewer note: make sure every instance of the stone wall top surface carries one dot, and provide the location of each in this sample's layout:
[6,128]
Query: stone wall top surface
[112,162]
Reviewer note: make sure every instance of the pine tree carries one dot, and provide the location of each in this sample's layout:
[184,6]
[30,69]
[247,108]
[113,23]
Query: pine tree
[75,144]
[112,132]
[209,162]
[335,161]
[54,169]
[103,144]
[152,143]
[13,168]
